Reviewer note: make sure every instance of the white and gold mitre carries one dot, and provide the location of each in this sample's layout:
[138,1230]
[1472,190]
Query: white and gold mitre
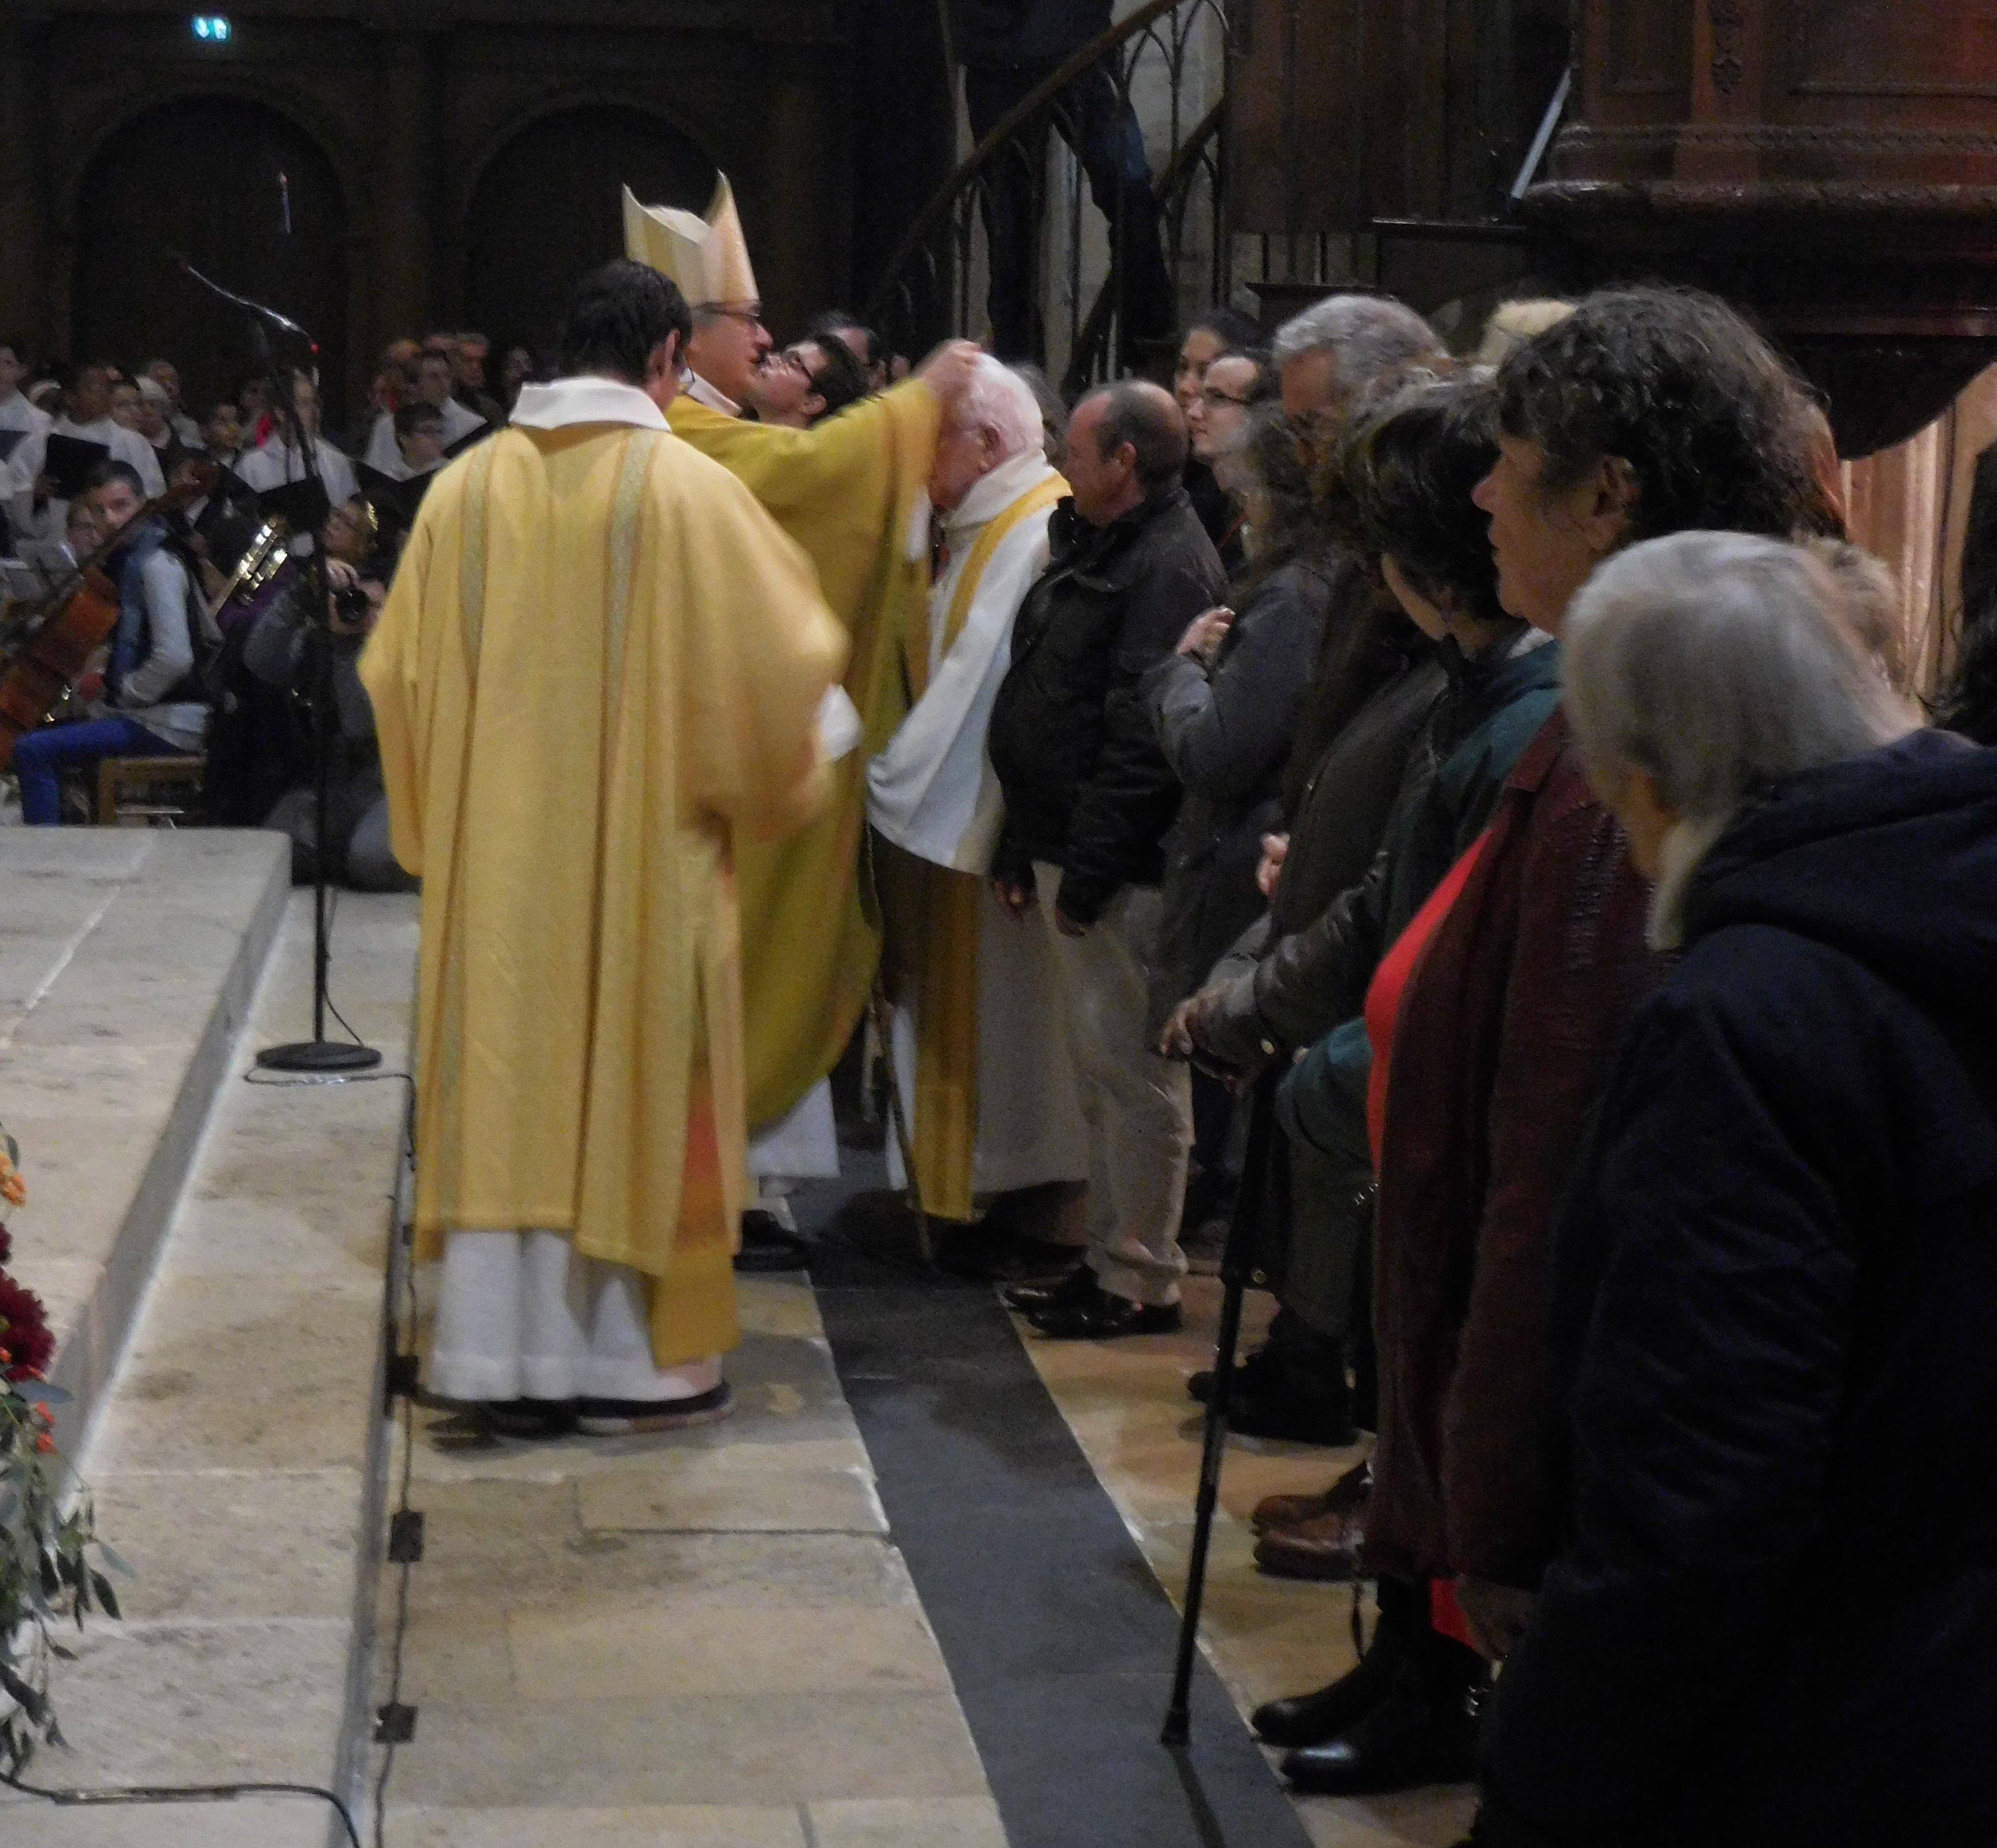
[708,258]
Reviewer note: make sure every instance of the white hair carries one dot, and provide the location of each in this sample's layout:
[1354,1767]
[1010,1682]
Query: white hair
[998,400]
[1369,336]
[1513,323]
[1719,663]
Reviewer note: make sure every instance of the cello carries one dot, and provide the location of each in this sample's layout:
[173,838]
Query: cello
[48,649]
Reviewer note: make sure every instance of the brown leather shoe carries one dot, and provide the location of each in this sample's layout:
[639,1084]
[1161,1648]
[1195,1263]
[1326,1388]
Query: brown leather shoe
[1327,1549]
[1346,1496]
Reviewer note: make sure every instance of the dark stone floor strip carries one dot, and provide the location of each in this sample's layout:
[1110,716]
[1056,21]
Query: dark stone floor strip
[1057,1634]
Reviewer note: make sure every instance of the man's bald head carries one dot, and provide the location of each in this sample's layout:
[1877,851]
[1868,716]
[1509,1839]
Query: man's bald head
[1127,443]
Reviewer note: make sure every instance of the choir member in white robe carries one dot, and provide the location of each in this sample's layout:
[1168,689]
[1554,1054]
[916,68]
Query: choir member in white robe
[26,428]
[434,379]
[280,459]
[90,419]
[932,792]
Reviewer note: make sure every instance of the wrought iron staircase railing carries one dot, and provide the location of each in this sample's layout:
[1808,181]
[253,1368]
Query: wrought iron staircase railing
[1167,63]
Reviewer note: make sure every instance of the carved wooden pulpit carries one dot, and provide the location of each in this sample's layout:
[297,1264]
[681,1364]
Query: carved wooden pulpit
[1830,165]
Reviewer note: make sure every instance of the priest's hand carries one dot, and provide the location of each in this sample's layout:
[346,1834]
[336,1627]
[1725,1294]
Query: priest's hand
[947,371]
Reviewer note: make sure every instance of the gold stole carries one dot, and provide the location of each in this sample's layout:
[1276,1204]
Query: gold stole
[944,955]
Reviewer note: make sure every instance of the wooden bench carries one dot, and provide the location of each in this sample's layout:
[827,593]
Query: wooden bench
[143,790]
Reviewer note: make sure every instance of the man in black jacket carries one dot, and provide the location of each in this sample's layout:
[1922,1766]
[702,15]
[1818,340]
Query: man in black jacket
[1088,798]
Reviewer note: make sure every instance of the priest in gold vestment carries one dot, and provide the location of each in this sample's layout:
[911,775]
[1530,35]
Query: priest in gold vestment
[849,490]
[597,670]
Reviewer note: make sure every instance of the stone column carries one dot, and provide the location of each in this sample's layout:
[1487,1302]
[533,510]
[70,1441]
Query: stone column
[405,181]
[25,301]
[804,228]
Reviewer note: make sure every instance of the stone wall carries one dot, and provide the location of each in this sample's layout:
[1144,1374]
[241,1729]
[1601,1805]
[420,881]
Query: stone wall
[411,105]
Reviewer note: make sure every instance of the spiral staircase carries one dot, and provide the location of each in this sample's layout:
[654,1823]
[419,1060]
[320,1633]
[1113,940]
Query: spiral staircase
[1168,62]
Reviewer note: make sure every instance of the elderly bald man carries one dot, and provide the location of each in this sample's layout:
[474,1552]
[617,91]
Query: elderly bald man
[981,1045]
[1089,797]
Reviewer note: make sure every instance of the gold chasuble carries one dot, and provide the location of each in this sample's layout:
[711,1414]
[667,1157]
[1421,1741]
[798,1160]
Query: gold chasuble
[598,667]
[932,914]
[845,491]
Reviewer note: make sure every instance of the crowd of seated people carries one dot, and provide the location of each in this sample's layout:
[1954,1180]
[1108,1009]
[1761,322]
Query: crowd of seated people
[104,458]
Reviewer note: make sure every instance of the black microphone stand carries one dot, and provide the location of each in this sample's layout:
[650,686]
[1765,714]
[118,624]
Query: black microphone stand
[318,1053]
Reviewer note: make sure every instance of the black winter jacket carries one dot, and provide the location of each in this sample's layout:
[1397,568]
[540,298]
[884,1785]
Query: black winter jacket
[1085,784]
[1005,34]
[1774,1340]
[1225,732]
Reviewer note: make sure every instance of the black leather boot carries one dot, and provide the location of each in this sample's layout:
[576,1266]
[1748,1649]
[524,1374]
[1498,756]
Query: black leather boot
[1309,1719]
[1422,1730]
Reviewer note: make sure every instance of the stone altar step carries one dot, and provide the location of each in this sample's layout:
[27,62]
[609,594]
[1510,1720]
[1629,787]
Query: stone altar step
[127,959]
[235,1458]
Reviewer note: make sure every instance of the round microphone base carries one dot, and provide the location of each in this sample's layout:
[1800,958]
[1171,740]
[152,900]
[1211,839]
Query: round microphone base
[318,1056]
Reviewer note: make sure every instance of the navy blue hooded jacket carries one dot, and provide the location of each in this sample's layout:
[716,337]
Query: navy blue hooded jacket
[1775,1619]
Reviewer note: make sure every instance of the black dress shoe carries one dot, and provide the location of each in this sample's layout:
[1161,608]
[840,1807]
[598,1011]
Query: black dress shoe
[1078,1285]
[1416,1735]
[528,1418]
[769,1245]
[994,1254]
[623,1418]
[1260,1370]
[1309,1719]
[1283,1413]
[1101,1315]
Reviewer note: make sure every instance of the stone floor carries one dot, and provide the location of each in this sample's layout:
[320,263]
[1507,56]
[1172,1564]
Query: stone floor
[707,1640]
[1125,1402]
[704,1638]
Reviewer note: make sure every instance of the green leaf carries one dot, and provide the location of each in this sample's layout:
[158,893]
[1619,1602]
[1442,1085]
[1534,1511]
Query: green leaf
[32,1703]
[105,1596]
[109,1554]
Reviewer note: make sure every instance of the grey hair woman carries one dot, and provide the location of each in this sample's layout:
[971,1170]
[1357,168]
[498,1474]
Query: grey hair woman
[1701,670]
[1774,1621]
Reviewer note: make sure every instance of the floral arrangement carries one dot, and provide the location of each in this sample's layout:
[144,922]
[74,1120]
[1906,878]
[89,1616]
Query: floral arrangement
[46,1576]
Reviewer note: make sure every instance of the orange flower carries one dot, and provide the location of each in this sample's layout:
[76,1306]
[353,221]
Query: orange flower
[45,1443]
[12,1189]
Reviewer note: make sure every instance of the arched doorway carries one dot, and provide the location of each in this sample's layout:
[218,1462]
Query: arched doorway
[248,198]
[547,210]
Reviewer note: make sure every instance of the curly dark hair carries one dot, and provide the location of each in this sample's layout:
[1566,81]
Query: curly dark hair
[1409,466]
[1714,425]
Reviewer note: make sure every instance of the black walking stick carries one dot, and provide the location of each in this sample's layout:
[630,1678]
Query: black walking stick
[883,1018]
[1236,1265]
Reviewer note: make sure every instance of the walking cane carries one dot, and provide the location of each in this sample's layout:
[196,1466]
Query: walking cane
[1235,1265]
[877,1006]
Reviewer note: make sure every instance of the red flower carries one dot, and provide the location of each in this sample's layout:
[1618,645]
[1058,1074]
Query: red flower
[24,1326]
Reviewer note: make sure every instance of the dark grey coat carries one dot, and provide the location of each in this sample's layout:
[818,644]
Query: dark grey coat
[1225,732]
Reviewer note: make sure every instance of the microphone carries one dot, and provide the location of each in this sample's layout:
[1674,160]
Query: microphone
[282,322]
